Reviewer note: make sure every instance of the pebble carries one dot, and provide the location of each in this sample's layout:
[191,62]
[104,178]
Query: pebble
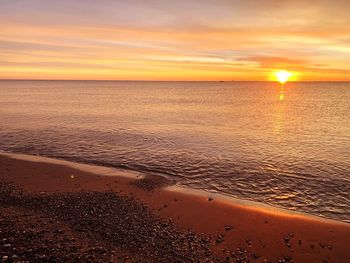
[105,219]
[220,238]
[228,228]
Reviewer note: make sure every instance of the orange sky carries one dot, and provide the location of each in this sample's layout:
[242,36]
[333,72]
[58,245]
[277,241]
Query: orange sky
[174,40]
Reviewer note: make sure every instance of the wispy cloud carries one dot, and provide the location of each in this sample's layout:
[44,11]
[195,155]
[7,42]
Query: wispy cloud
[154,39]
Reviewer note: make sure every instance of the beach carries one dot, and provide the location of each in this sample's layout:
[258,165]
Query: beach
[54,210]
[175,131]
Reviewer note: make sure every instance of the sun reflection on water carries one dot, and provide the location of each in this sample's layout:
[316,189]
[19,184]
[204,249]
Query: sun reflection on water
[279,114]
[282,93]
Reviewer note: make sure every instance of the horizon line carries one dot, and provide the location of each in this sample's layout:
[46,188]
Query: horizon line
[140,80]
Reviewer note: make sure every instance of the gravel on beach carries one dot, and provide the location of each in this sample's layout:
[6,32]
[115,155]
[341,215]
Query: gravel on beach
[91,227]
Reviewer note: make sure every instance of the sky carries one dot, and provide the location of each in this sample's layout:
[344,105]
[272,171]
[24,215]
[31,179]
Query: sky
[175,39]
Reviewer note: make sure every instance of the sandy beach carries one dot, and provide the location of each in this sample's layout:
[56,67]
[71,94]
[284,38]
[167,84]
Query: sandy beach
[54,210]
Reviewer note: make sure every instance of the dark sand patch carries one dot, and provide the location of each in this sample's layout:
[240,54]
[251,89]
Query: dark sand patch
[107,219]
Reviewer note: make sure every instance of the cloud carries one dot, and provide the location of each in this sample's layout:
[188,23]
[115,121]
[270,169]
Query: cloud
[209,39]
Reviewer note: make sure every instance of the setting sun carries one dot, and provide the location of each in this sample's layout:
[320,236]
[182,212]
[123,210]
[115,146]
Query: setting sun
[283,76]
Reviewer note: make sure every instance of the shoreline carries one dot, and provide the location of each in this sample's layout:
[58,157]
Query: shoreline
[99,170]
[264,233]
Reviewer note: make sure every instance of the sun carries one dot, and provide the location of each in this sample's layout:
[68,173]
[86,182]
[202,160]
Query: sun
[283,76]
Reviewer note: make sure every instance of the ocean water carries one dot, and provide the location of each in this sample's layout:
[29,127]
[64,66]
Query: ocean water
[286,146]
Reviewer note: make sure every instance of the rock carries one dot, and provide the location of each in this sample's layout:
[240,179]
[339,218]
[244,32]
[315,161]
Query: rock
[228,228]
[220,239]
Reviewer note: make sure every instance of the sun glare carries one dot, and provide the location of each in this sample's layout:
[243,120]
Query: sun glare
[283,76]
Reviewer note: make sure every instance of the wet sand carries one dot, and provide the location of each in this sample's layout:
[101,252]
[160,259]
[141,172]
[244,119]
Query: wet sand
[86,213]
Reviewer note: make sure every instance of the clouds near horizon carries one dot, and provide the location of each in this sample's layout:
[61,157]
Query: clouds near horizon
[174,40]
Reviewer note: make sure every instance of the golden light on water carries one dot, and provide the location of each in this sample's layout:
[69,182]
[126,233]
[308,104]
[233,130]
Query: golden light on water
[283,76]
[281,96]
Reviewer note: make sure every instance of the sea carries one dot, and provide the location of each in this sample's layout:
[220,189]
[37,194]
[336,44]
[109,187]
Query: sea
[284,145]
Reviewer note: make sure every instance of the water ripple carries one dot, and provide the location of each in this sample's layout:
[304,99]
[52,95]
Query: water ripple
[236,139]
